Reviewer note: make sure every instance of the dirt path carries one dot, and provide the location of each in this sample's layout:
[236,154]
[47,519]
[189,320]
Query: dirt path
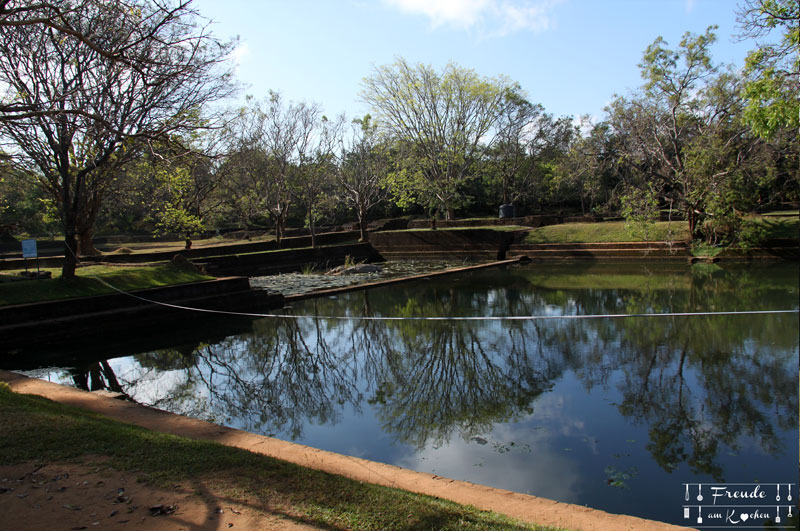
[66,497]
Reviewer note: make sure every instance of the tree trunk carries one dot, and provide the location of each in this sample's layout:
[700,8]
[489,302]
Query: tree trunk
[694,222]
[85,243]
[70,246]
[278,232]
[85,219]
[362,225]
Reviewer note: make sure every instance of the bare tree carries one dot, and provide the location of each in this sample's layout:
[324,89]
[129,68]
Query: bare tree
[288,137]
[279,157]
[362,171]
[61,17]
[316,172]
[70,110]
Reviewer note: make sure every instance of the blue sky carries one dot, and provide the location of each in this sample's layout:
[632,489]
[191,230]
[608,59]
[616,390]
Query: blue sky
[571,56]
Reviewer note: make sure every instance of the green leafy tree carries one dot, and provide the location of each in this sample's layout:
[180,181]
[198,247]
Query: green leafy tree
[588,170]
[773,68]
[519,126]
[442,118]
[684,140]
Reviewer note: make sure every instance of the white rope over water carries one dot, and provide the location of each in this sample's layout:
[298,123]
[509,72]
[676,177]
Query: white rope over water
[443,318]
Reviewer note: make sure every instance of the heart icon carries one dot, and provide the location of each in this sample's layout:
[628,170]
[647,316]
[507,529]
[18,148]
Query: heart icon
[744,517]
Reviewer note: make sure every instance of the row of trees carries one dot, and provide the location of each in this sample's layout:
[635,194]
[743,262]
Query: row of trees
[108,119]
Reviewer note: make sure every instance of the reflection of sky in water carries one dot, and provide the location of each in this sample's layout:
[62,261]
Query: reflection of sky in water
[599,392]
[522,457]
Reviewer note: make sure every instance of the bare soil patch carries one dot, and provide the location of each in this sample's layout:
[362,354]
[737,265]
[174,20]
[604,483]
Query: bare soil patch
[94,496]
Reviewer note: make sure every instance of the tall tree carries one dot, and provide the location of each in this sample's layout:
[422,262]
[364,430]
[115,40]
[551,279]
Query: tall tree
[78,107]
[362,170]
[278,157]
[316,170]
[444,117]
[587,167]
[286,140]
[681,134]
[518,124]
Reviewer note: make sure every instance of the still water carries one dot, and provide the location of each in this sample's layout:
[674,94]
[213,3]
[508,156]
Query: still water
[613,413]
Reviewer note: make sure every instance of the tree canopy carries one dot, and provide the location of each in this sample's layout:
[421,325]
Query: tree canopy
[73,112]
[445,118]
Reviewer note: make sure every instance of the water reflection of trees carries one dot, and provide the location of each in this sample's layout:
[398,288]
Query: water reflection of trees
[697,383]
[273,380]
[95,377]
[436,378]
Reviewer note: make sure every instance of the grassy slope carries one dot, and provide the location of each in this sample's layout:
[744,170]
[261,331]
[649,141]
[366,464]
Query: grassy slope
[614,231]
[33,429]
[780,227]
[498,228]
[127,278]
[609,231]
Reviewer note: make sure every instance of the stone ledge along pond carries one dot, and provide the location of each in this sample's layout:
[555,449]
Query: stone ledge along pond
[614,413]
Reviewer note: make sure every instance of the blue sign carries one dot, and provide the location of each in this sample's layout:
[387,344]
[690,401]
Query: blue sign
[29,249]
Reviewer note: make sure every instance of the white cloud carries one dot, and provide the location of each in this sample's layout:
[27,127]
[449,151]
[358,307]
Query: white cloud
[490,17]
[240,53]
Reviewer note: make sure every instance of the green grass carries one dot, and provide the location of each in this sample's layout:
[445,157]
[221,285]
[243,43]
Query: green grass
[779,227]
[124,278]
[782,213]
[498,228]
[608,231]
[614,231]
[33,429]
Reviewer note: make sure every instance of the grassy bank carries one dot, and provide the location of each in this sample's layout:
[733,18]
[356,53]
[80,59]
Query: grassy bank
[780,227]
[85,284]
[33,429]
[497,228]
[608,231]
[772,227]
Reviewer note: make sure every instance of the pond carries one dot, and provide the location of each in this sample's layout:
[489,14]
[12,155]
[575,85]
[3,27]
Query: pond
[613,413]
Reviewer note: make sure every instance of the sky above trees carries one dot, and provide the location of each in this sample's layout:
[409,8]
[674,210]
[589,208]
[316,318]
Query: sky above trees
[571,56]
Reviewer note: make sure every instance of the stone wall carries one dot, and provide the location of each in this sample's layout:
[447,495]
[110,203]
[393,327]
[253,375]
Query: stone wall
[88,317]
[331,238]
[268,263]
[464,244]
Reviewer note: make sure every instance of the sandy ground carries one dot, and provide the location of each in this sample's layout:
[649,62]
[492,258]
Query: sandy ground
[66,497]
[196,506]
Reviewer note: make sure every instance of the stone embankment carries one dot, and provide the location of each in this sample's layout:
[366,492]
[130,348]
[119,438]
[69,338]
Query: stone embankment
[648,251]
[462,244]
[202,253]
[102,316]
[289,260]
[489,244]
